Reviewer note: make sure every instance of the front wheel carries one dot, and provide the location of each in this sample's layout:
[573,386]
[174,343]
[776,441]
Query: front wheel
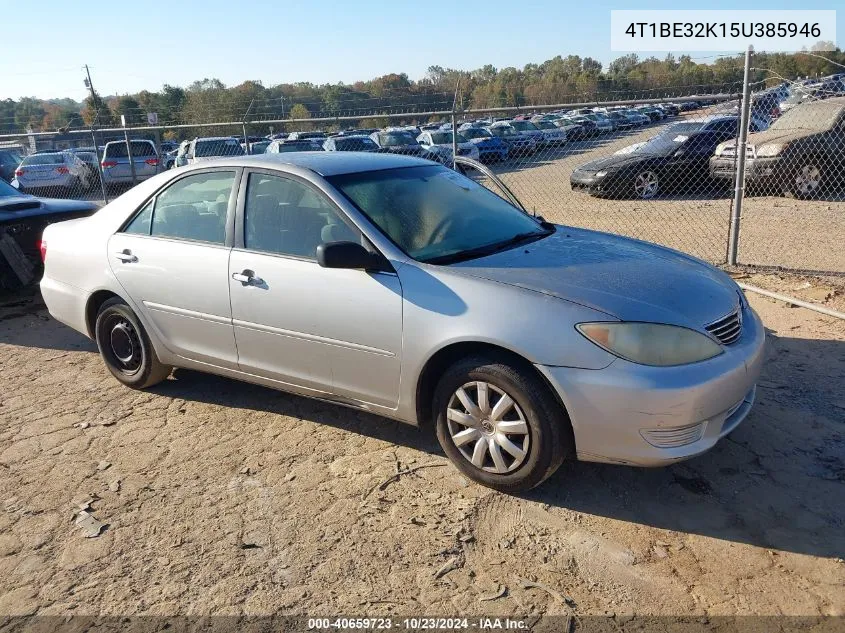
[499,424]
[646,185]
[807,181]
[125,346]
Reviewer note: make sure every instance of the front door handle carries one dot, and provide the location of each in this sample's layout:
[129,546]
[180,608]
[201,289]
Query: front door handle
[126,256]
[248,278]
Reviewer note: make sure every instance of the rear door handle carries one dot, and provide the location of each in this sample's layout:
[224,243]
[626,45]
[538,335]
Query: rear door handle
[126,256]
[248,278]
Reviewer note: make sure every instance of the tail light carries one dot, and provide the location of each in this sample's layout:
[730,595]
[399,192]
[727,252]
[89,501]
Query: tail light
[152,162]
[19,172]
[42,248]
[109,163]
[62,170]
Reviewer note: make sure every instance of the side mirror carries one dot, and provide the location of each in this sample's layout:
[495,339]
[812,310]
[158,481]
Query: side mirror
[346,255]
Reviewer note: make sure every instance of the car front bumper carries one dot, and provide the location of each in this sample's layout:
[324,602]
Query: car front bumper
[587,181]
[653,416]
[756,169]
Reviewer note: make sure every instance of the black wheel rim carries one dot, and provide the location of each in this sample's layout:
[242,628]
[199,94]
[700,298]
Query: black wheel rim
[122,345]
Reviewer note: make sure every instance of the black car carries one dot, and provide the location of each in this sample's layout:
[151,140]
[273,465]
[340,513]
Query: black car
[676,160]
[9,161]
[23,218]
[399,142]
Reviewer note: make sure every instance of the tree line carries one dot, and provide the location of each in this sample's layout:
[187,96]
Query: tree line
[559,80]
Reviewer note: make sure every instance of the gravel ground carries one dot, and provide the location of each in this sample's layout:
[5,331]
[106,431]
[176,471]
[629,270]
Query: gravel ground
[225,498]
[774,231]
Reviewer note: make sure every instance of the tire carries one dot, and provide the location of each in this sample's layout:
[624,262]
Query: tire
[125,346]
[539,434]
[807,181]
[646,185]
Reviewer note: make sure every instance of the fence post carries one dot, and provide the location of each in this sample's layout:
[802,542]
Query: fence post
[742,142]
[99,166]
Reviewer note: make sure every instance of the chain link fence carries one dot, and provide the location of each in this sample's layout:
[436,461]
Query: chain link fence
[659,169]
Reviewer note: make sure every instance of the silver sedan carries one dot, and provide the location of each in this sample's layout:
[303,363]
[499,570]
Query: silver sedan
[398,286]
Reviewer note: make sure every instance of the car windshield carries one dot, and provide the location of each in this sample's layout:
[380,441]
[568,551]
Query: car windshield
[545,125]
[354,144]
[474,132]
[7,190]
[259,147]
[523,126]
[445,138]
[502,130]
[436,215]
[44,159]
[396,139]
[219,147]
[817,117]
[670,139]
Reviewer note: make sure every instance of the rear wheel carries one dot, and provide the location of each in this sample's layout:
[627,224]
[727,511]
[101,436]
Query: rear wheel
[807,180]
[125,346]
[499,424]
[646,185]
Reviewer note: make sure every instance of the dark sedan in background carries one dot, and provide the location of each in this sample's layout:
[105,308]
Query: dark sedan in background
[676,160]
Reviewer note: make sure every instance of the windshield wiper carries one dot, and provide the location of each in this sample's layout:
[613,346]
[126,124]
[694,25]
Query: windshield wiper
[489,249]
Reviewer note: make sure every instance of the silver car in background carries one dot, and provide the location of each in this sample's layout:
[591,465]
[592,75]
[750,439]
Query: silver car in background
[53,174]
[117,168]
[397,286]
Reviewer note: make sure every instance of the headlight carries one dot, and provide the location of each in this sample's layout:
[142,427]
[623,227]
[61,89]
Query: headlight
[770,149]
[721,147]
[601,174]
[651,343]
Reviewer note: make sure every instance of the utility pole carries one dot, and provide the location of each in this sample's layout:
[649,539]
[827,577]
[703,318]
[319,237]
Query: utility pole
[90,87]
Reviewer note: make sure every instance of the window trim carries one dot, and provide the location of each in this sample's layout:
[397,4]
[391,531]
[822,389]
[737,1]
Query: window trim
[230,208]
[240,213]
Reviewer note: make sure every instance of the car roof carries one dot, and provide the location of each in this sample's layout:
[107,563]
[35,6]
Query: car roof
[323,163]
[216,138]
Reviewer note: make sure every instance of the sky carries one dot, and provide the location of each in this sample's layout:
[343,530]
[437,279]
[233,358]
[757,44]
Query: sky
[131,46]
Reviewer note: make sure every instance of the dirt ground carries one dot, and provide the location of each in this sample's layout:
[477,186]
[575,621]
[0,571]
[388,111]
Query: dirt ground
[225,498]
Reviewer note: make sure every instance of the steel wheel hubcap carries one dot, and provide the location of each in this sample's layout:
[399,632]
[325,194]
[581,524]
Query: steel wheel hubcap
[125,346]
[808,179]
[645,184]
[488,427]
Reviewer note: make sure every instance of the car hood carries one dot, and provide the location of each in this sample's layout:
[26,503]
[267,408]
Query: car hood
[625,278]
[18,207]
[616,161]
[779,136]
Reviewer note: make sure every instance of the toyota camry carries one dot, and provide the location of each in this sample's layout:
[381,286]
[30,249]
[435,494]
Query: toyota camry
[398,286]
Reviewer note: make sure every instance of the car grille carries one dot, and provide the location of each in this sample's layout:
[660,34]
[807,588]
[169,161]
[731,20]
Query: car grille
[727,329]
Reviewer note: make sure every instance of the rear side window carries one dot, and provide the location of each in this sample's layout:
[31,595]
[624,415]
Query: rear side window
[192,208]
[140,149]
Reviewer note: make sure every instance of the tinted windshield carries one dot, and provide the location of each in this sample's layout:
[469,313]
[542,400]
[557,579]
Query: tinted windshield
[670,139]
[221,147]
[395,139]
[139,149]
[502,131]
[445,138]
[817,117]
[545,125]
[522,126]
[354,144]
[44,159]
[475,132]
[434,212]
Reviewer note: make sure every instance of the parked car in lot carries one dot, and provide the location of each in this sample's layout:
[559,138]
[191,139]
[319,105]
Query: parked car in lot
[207,148]
[526,128]
[349,144]
[256,147]
[54,174]
[601,124]
[489,147]
[574,131]
[620,120]
[800,154]
[307,136]
[88,155]
[438,144]
[117,169]
[677,160]
[281,146]
[518,144]
[552,134]
[399,142]
[23,218]
[387,276]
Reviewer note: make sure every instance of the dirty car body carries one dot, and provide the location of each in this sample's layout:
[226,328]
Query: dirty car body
[395,285]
